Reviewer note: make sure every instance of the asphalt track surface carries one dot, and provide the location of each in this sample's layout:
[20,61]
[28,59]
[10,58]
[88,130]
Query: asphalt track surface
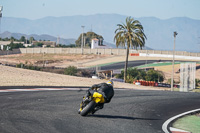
[120,65]
[130,111]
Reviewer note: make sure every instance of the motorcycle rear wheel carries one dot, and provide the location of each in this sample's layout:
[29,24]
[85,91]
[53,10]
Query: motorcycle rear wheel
[88,108]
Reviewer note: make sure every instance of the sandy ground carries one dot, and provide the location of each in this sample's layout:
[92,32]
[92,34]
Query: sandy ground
[64,60]
[10,76]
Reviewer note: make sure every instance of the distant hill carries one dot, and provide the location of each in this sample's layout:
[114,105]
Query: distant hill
[159,32]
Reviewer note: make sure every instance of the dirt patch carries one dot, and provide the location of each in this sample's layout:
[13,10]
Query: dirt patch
[167,70]
[59,60]
[78,60]
[11,76]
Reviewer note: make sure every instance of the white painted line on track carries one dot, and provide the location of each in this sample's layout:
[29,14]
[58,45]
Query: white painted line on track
[165,125]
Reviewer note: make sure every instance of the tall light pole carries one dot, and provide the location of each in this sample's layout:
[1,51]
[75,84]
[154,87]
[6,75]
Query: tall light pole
[146,60]
[1,9]
[82,40]
[172,79]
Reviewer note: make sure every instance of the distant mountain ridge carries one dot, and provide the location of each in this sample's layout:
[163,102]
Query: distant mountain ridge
[159,32]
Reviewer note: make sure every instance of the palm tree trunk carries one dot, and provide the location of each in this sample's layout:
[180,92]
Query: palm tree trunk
[126,63]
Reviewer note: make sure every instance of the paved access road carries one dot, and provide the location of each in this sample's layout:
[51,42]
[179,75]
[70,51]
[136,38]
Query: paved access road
[130,111]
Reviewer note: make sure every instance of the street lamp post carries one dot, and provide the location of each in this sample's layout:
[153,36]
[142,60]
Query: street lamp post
[1,9]
[82,40]
[172,79]
[146,60]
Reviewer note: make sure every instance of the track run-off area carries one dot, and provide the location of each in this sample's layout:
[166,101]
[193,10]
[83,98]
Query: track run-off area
[54,110]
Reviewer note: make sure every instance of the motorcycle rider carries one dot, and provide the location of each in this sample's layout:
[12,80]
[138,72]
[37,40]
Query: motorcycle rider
[106,89]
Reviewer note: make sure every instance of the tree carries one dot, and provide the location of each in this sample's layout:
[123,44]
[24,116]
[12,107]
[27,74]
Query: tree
[12,39]
[22,39]
[197,82]
[6,39]
[133,74]
[31,39]
[66,46]
[130,34]
[153,75]
[88,39]
[38,44]
[15,45]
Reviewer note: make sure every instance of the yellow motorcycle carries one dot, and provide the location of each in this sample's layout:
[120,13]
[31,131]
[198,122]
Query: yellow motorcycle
[90,104]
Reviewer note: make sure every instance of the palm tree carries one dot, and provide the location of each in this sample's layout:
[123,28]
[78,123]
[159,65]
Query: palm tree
[130,34]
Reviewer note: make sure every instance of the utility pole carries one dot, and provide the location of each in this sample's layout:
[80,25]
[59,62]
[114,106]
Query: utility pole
[58,41]
[199,42]
[146,60]
[172,79]
[82,40]
[1,9]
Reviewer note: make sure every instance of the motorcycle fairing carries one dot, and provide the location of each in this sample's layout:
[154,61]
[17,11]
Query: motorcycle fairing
[98,98]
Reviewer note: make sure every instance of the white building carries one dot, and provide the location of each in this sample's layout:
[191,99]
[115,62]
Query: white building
[27,45]
[4,44]
[95,44]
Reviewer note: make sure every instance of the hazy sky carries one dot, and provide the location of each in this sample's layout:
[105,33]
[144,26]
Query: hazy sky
[163,9]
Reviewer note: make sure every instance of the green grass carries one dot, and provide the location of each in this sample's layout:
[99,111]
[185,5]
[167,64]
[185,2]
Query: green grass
[147,65]
[189,123]
[196,90]
[158,64]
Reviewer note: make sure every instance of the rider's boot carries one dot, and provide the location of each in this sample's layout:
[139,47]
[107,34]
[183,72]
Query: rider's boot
[100,106]
[79,111]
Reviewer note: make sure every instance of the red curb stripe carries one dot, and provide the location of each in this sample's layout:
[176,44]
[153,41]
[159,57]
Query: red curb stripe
[176,130]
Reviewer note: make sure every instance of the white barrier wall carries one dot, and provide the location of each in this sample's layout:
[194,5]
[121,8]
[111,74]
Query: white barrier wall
[146,53]
[169,56]
[73,51]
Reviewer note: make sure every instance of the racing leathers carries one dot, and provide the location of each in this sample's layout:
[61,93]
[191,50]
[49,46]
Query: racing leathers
[103,88]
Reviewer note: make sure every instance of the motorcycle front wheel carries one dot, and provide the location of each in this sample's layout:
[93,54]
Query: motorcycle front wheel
[88,108]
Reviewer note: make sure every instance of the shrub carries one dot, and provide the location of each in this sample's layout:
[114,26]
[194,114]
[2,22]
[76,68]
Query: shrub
[197,82]
[71,70]
[25,66]
[132,74]
[20,65]
[153,75]
[169,81]
[84,73]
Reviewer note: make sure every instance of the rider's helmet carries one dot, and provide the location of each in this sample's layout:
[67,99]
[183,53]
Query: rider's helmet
[110,82]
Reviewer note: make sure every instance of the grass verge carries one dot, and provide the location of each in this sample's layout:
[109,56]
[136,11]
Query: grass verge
[189,123]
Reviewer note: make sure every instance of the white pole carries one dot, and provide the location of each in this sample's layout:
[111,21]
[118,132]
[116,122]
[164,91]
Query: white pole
[172,79]
[82,40]
[1,9]
[146,62]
